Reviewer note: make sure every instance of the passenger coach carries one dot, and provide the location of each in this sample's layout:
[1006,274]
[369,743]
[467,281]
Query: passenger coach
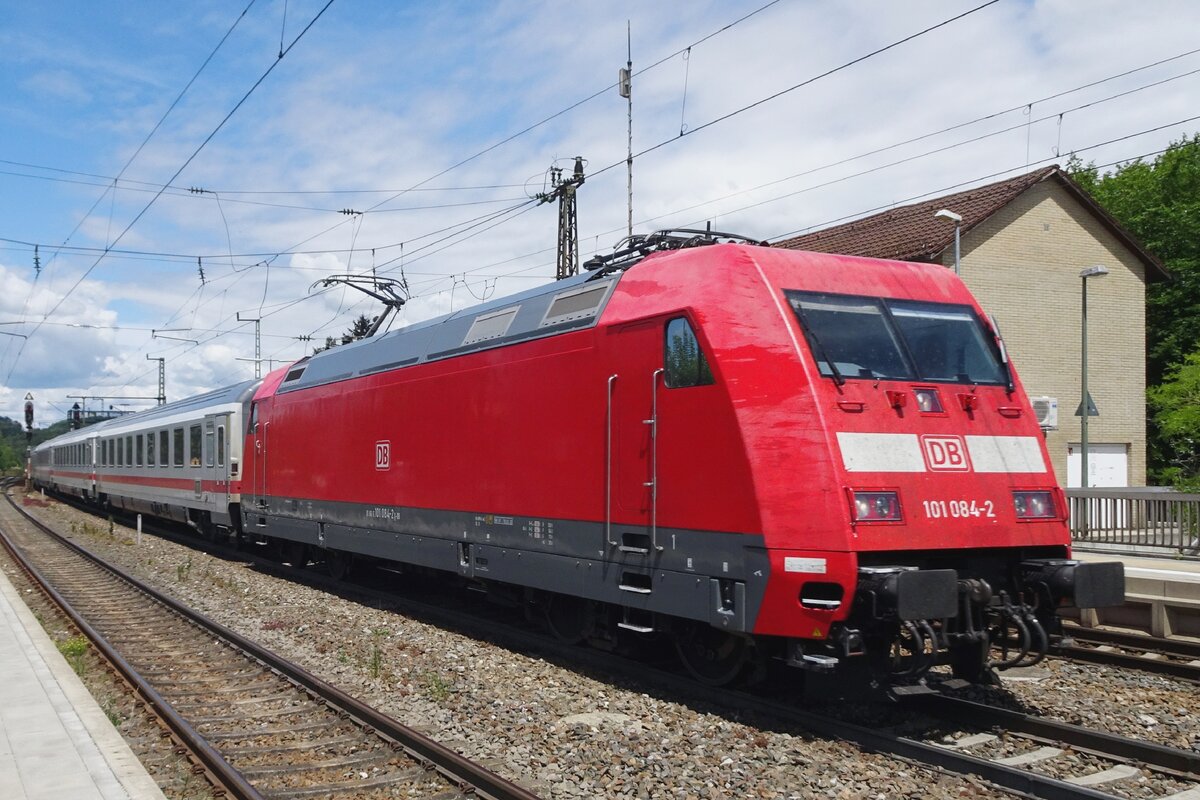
[179,461]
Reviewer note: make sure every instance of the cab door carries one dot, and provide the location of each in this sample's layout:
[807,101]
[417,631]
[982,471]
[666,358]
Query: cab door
[635,373]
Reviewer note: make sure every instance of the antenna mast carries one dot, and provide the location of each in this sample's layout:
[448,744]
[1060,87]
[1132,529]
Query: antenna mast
[568,222]
[257,342]
[162,378]
[625,82]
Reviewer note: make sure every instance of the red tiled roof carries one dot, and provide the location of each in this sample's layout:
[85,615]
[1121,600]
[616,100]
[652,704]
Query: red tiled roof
[912,233]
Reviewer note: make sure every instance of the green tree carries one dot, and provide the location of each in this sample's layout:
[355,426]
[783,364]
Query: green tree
[1159,203]
[1176,407]
[358,330]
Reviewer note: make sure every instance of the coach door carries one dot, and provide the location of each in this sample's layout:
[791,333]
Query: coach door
[216,458]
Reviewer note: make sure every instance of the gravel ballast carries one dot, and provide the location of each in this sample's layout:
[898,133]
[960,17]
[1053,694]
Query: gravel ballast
[565,734]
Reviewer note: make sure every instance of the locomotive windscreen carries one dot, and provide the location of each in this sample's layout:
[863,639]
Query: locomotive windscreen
[871,337]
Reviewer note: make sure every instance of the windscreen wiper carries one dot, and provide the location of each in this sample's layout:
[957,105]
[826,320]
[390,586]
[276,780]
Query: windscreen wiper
[1008,376]
[820,348]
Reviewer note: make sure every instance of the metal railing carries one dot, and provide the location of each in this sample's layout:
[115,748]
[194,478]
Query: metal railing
[1144,520]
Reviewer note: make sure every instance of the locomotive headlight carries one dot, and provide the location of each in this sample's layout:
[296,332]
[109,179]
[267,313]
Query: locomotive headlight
[1034,505]
[927,401]
[876,507]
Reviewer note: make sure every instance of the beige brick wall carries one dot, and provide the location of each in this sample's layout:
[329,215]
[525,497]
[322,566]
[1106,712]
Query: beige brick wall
[1023,266]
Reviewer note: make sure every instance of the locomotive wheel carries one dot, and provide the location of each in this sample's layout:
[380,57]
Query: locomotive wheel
[713,657]
[339,563]
[570,619]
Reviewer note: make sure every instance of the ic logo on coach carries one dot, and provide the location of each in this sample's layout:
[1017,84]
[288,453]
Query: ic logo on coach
[383,455]
[945,453]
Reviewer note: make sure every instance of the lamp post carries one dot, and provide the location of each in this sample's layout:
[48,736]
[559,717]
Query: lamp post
[946,213]
[1085,405]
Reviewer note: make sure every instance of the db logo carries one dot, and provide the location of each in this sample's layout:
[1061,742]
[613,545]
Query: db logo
[945,453]
[383,455]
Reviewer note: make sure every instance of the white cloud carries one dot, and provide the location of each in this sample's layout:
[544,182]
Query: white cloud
[386,96]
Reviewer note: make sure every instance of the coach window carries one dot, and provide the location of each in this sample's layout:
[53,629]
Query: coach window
[194,442]
[177,447]
[220,445]
[120,454]
[209,444]
[164,448]
[150,449]
[137,449]
[685,361]
[129,451]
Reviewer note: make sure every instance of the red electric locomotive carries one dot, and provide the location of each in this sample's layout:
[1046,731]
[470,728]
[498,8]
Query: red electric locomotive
[758,452]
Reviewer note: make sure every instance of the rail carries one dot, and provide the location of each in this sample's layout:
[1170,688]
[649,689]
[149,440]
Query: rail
[1141,521]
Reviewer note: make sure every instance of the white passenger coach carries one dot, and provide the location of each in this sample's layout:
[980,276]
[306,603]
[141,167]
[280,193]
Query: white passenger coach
[179,461]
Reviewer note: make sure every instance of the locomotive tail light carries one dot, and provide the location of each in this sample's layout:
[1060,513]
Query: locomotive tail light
[928,401]
[875,507]
[896,399]
[1035,505]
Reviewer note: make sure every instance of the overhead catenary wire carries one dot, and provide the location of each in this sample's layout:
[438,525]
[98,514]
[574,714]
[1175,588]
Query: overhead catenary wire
[322,251]
[190,257]
[181,168]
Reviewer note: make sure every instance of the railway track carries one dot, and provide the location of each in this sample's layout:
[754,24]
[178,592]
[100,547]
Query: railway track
[257,725]
[1056,760]
[1177,658]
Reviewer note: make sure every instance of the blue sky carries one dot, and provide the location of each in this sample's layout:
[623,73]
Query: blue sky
[376,98]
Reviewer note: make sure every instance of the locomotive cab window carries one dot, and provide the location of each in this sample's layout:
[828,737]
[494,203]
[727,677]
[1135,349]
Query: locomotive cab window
[877,338]
[683,359]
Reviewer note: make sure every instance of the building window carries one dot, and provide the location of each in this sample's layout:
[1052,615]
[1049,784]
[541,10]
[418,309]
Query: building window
[685,362]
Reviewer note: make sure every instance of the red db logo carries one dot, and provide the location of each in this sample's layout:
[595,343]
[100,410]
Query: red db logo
[383,455]
[945,453]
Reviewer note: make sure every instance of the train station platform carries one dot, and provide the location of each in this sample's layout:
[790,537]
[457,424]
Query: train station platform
[1162,595]
[55,741]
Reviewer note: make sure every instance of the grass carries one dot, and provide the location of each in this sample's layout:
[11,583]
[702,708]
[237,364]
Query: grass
[110,710]
[75,651]
[375,662]
[183,570]
[437,686]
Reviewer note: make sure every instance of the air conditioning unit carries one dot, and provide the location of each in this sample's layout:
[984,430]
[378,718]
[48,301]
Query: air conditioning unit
[1046,411]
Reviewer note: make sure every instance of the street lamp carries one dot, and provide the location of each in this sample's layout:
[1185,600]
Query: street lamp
[946,213]
[1085,405]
